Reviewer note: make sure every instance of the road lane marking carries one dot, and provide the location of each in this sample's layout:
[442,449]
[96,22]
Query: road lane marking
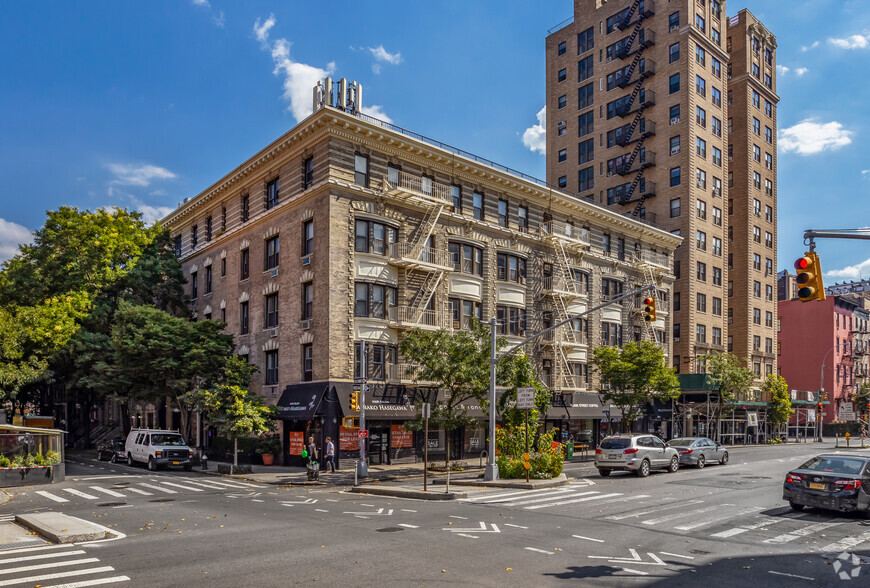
[466,535]
[403,509]
[679,515]
[515,526]
[258,500]
[792,535]
[740,530]
[536,550]
[676,555]
[32,549]
[137,491]
[44,577]
[209,486]
[652,510]
[48,565]
[107,491]
[183,487]
[588,538]
[588,498]
[98,582]
[451,516]
[716,519]
[80,493]
[51,496]
[158,488]
[409,526]
[790,575]
[843,544]
[638,572]
[507,494]
[42,556]
[319,509]
[549,498]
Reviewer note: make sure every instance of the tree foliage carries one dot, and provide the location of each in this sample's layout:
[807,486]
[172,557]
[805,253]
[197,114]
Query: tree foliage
[779,410]
[637,374]
[731,378]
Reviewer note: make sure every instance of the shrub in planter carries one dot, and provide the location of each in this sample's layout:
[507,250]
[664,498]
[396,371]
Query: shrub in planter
[231,469]
[52,457]
[5,462]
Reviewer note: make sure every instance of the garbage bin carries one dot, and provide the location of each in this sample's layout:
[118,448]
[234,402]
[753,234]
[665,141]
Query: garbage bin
[313,470]
[569,451]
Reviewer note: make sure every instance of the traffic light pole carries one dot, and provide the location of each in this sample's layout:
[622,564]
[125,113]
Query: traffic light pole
[362,469]
[491,471]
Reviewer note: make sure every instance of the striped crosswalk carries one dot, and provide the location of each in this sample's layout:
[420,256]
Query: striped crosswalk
[54,566]
[155,486]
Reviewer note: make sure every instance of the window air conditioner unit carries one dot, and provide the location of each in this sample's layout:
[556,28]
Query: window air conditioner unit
[675,120]
[675,150]
[455,324]
[305,325]
[274,273]
[306,260]
[273,332]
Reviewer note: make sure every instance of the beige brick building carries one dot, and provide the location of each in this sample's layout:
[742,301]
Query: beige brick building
[650,111]
[347,229]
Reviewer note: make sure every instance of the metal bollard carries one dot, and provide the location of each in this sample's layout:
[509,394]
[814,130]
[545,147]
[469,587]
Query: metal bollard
[203,460]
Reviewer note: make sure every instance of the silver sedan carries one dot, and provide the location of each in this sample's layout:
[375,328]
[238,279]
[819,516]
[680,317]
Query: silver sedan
[699,451]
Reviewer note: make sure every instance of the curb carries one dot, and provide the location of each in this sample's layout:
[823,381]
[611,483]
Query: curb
[61,528]
[4,496]
[399,492]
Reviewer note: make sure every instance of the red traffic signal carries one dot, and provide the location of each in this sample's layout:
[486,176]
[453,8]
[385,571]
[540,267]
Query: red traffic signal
[809,277]
[649,309]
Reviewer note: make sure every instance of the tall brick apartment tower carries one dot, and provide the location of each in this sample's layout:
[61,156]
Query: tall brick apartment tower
[639,120]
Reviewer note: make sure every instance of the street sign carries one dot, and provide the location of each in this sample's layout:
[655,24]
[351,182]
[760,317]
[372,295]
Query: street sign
[360,387]
[427,410]
[359,380]
[752,418]
[363,433]
[811,415]
[846,407]
[525,398]
[846,415]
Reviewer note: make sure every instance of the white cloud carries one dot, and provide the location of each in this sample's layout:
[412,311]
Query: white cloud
[782,69]
[261,32]
[377,112]
[128,174]
[219,19]
[852,42]
[202,3]
[299,79]
[11,236]
[852,272]
[535,137]
[811,136]
[806,48]
[865,173]
[382,54]
[151,214]
[800,71]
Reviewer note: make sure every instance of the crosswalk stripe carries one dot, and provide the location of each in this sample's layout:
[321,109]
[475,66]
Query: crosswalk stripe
[679,515]
[97,582]
[51,496]
[137,491]
[249,485]
[224,484]
[32,549]
[209,486]
[716,519]
[182,486]
[629,515]
[508,494]
[41,556]
[158,488]
[588,498]
[107,491]
[847,543]
[548,498]
[740,530]
[80,493]
[54,576]
[792,535]
[49,565]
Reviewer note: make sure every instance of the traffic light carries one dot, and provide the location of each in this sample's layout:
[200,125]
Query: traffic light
[354,401]
[809,277]
[821,407]
[649,309]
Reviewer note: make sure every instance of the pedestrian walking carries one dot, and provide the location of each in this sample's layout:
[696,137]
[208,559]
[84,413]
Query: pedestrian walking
[330,454]
[312,450]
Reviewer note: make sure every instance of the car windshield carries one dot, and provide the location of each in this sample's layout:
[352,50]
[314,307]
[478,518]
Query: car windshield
[159,439]
[680,442]
[837,465]
[615,443]
[118,444]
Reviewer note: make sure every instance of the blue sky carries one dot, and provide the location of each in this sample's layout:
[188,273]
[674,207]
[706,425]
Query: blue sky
[140,104]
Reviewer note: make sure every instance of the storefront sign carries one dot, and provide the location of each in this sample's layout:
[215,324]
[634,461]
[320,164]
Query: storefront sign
[296,443]
[752,418]
[401,437]
[347,439]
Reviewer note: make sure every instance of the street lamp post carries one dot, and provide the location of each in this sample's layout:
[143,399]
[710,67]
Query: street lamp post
[491,472]
[822,391]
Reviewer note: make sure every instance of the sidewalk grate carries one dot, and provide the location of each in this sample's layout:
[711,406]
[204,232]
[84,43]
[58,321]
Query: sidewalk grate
[22,544]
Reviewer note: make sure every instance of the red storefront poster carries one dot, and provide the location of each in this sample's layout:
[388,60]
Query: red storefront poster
[348,439]
[296,443]
[400,437]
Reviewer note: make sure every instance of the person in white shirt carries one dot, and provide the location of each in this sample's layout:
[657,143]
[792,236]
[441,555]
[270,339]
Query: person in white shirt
[330,454]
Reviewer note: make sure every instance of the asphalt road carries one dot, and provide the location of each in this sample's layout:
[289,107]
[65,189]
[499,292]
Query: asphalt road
[723,524]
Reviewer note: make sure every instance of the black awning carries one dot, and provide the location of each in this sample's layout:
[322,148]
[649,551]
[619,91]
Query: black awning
[301,402]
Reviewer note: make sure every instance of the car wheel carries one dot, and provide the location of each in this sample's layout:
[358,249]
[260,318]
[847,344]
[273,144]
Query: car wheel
[701,462]
[603,473]
[643,470]
[675,465]
[795,506]
[152,467]
[113,459]
[130,459]
[724,459]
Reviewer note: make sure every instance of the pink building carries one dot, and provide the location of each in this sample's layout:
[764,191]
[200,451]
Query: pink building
[816,334]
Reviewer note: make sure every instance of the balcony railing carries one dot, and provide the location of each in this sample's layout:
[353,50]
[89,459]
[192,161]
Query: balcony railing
[645,38]
[410,317]
[646,128]
[644,10]
[563,337]
[402,373]
[653,258]
[645,68]
[645,98]
[408,254]
[560,285]
[421,186]
[647,159]
[566,231]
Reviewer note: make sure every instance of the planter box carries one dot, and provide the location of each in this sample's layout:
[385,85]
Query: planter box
[10,477]
[230,469]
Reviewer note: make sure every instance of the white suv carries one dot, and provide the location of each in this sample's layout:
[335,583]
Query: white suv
[635,452]
[157,448]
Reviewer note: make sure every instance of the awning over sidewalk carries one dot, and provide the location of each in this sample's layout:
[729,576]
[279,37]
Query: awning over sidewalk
[300,402]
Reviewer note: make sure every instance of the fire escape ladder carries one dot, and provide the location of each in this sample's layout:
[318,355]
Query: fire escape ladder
[630,39]
[424,231]
[629,71]
[634,184]
[433,280]
[634,123]
[638,147]
[565,269]
[630,13]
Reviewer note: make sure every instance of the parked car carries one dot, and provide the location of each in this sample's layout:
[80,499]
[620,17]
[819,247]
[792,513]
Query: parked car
[699,451]
[113,450]
[158,448]
[832,482]
[638,453]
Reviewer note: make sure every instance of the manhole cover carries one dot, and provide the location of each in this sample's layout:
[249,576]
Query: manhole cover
[162,500]
[699,552]
[111,503]
[389,529]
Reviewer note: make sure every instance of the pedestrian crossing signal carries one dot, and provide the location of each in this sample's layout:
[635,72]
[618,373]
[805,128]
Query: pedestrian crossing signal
[649,309]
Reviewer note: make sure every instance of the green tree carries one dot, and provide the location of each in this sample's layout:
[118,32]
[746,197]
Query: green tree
[637,374]
[234,411]
[731,378]
[458,364]
[779,410]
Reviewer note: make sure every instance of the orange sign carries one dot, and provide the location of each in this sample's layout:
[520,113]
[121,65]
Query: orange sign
[296,442]
[347,439]
[401,437]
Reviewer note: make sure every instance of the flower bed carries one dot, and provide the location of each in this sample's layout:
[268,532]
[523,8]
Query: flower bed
[31,476]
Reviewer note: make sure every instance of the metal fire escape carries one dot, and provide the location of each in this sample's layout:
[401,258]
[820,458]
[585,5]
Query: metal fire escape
[646,98]
[422,263]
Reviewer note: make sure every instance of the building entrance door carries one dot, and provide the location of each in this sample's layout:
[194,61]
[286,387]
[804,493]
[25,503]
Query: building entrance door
[379,445]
